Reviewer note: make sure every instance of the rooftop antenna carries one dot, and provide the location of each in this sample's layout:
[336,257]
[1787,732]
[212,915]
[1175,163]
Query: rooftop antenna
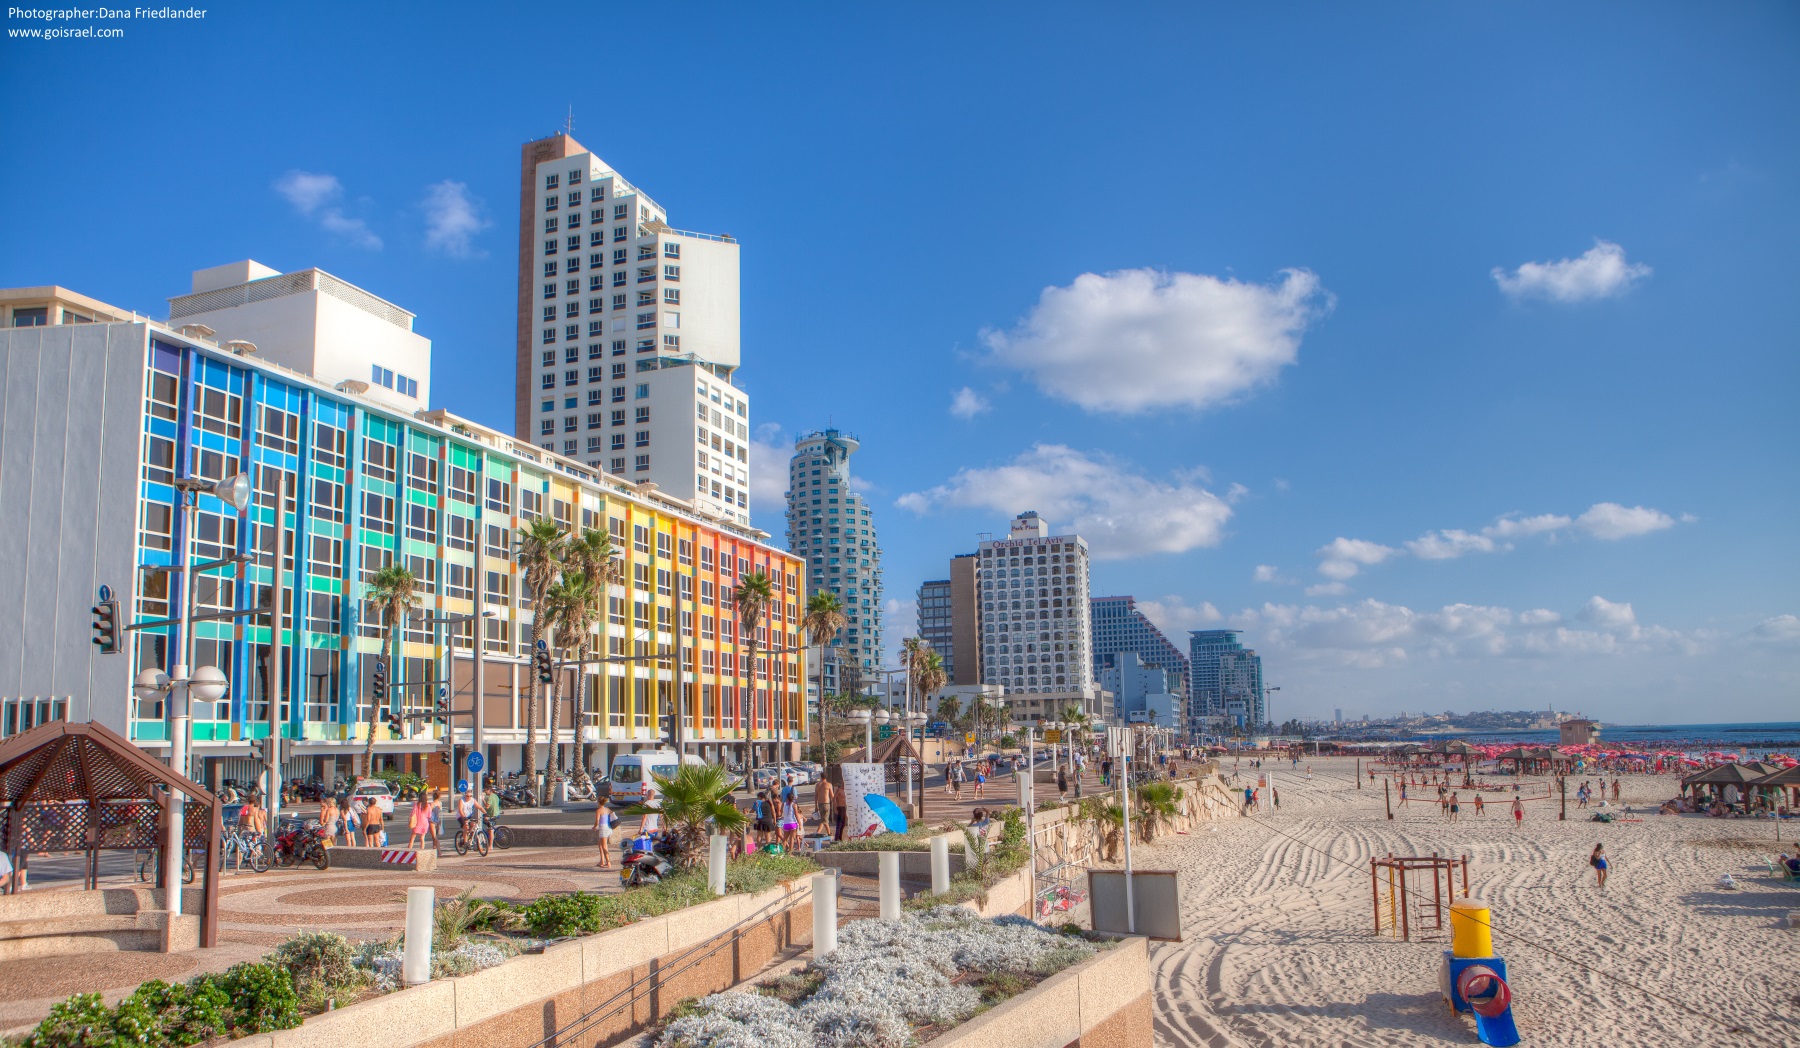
[569,124]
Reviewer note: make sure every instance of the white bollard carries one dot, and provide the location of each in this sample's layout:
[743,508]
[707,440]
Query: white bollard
[890,885]
[940,864]
[716,859]
[825,893]
[415,961]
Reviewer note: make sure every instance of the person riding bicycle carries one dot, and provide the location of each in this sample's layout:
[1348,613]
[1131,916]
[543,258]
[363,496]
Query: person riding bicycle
[466,809]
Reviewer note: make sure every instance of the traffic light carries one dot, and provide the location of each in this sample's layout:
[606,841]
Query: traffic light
[259,751]
[378,686]
[394,724]
[545,676]
[443,756]
[443,711]
[107,634]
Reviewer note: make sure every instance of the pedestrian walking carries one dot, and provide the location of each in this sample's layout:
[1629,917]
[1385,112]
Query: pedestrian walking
[419,824]
[1478,805]
[604,823]
[1455,807]
[1518,811]
[980,778]
[1062,784]
[1597,859]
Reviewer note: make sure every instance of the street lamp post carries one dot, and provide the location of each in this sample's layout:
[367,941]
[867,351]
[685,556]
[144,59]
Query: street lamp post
[179,687]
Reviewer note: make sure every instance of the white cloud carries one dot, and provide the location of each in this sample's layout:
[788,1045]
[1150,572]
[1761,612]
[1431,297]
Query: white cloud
[1140,339]
[1327,589]
[1606,613]
[1270,573]
[1609,520]
[1372,634]
[1175,616]
[1121,513]
[310,192]
[1343,557]
[1778,631]
[770,451]
[1601,272]
[1447,544]
[452,218]
[965,403]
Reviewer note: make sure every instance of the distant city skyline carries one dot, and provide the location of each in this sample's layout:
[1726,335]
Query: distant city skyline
[1446,355]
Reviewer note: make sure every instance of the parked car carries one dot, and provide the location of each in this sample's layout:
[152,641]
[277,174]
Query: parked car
[803,773]
[374,791]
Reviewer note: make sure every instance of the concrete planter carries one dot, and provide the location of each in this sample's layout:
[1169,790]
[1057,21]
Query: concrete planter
[631,975]
[1103,1002]
[914,865]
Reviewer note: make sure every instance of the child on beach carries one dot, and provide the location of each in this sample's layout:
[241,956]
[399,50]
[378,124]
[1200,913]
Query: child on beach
[1597,859]
[1518,811]
[1478,805]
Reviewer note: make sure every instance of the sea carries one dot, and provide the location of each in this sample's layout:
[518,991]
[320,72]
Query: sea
[1765,735]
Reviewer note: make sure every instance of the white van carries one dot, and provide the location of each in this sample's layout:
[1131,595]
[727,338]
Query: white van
[631,771]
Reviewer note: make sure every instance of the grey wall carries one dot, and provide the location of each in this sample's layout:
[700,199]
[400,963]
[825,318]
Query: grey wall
[71,399]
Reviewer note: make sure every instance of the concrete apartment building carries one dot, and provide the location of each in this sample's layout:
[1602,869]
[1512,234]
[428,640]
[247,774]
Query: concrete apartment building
[1144,694]
[965,619]
[1035,630]
[936,622]
[832,529]
[1227,680]
[105,411]
[313,323]
[1120,628]
[627,334]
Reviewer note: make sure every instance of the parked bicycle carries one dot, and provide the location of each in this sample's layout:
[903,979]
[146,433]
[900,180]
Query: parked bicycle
[149,867]
[240,847]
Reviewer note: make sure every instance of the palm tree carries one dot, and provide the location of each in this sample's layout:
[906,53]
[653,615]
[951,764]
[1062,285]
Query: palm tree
[949,708]
[912,657]
[694,803]
[1157,808]
[395,593]
[751,598]
[571,608]
[538,549]
[823,619]
[593,554]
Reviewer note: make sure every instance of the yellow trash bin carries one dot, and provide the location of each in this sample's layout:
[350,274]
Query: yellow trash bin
[1470,932]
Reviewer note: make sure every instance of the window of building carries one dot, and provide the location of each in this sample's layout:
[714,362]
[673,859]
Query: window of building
[641,463]
[641,438]
[642,391]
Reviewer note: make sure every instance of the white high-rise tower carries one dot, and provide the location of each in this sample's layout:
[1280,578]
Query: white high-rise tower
[627,334]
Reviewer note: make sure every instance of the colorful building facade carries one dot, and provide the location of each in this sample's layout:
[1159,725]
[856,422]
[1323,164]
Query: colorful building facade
[343,486]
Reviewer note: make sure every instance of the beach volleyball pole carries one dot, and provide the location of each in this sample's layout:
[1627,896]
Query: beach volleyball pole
[1387,797]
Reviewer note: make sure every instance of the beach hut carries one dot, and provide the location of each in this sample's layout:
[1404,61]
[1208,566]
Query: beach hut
[1727,782]
[1783,784]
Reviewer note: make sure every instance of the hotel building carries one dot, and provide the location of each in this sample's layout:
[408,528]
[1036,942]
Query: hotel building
[627,334]
[348,477]
[832,529]
[1035,632]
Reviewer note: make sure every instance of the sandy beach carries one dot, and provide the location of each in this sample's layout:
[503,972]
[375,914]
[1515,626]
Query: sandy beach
[1280,947]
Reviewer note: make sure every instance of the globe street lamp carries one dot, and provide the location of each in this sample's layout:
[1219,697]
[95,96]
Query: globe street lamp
[207,684]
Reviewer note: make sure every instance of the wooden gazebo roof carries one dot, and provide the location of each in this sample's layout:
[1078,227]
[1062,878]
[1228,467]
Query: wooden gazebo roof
[1724,775]
[1780,777]
[74,786]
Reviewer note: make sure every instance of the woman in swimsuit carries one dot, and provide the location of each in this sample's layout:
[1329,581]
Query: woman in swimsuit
[1597,859]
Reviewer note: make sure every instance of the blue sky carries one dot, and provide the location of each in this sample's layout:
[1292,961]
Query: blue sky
[1446,350]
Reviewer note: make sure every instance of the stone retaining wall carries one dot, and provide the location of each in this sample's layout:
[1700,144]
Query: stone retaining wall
[637,974]
[914,865]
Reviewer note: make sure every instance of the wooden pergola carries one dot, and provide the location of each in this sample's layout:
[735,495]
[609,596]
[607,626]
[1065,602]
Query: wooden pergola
[1785,781]
[1739,775]
[79,787]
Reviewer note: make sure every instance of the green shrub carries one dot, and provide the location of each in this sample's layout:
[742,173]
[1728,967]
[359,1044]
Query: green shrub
[556,916]
[262,998]
[79,1021]
[323,967]
[578,913]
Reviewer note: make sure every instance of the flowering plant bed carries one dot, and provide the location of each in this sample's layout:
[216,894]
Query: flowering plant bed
[890,983]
